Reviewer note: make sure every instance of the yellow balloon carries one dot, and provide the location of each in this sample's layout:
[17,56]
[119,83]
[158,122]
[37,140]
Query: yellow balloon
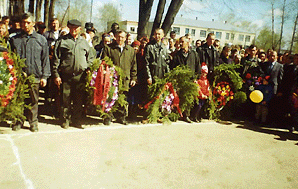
[256,96]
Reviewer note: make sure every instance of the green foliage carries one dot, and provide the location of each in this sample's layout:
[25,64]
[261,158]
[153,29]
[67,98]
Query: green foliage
[264,39]
[78,10]
[121,101]
[14,111]
[240,97]
[228,73]
[108,13]
[182,81]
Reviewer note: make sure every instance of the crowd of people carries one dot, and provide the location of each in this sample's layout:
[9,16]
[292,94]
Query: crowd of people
[60,59]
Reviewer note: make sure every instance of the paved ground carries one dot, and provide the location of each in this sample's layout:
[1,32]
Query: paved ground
[180,155]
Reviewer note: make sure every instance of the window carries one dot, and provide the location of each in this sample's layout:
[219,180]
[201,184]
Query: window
[227,36]
[218,35]
[193,32]
[232,36]
[241,37]
[132,29]
[247,38]
[211,32]
[176,30]
[186,30]
[203,33]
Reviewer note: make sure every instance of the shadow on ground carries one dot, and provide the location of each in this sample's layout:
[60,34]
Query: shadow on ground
[282,133]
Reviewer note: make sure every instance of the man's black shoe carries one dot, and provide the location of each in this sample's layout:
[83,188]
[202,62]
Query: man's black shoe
[107,121]
[122,121]
[77,124]
[186,119]
[65,124]
[291,129]
[34,128]
[17,127]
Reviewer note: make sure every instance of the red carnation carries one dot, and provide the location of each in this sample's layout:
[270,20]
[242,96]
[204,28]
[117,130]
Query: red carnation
[248,76]
[9,61]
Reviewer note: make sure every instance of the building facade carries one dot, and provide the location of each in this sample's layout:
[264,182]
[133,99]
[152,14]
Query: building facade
[198,29]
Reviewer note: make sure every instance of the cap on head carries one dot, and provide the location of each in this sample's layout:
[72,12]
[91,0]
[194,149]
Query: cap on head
[74,22]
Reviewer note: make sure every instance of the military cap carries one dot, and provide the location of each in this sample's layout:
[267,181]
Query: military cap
[74,22]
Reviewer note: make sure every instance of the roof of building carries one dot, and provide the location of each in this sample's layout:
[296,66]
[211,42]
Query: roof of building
[216,25]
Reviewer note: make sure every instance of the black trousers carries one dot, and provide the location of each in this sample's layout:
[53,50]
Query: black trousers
[32,113]
[72,92]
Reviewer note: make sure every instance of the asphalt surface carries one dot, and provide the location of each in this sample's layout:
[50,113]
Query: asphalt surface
[178,155]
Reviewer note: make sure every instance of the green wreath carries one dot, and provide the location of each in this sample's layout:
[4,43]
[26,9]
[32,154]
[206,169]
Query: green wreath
[121,97]
[225,76]
[181,79]
[14,86]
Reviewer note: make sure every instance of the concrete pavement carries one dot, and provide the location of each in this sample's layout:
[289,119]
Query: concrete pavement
[179,155]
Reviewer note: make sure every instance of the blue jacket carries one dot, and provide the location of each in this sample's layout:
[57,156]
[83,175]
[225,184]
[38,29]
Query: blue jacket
[267,91]
[34,49]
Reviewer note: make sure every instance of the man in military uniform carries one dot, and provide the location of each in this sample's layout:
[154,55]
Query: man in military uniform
[72,57]
[33,47]
[124,57]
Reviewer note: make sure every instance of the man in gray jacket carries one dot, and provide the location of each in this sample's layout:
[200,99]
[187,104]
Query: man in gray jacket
[156,57]
[33,47]
[72,57]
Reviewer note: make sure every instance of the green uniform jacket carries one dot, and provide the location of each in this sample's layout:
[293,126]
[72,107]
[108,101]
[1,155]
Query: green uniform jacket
[125,60]
[71,57]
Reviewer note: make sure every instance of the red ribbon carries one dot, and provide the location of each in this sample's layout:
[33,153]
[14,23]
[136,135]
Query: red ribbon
[176,100]
[102,85]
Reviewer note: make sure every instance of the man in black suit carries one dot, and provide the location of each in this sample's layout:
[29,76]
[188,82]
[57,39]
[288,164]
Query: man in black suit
[209,54]
[275,70]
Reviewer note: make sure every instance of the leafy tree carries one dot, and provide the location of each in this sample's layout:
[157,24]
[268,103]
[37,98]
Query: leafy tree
[77,10]
[109,12]
[264,39]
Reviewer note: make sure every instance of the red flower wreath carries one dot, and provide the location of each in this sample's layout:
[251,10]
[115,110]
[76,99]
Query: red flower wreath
[5,98]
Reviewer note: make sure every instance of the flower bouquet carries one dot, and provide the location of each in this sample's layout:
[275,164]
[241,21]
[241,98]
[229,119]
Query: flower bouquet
[222,94]
[251,81]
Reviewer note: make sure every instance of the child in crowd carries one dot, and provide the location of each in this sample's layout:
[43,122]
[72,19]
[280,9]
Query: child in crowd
[262,108]
[203,90]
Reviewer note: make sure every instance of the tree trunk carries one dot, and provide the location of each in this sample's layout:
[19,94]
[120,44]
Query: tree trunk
[46,12]
[16,7]
[144,15]
[272,25]
[10,9]
[38,10]
[52,10]
[158,16]
[282,25]
[171,14]
[294,31]
[31,6]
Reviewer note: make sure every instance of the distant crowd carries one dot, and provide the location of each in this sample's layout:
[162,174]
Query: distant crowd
[72,49]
